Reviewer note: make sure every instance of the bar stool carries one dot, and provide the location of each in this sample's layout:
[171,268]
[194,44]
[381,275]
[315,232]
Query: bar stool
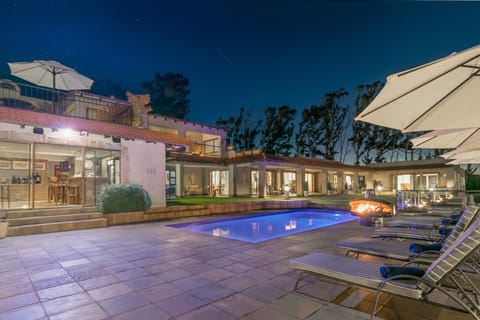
[73,194]
[52,189]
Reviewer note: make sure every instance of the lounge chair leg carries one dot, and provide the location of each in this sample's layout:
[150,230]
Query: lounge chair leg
[374,307]
[301,276]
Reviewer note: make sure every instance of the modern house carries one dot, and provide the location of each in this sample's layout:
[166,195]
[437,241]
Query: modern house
[63,148]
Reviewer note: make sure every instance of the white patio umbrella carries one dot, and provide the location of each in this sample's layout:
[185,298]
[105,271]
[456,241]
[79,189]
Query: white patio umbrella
[443,94]
[464,161]
[50,74]
[468,138]
[462,156]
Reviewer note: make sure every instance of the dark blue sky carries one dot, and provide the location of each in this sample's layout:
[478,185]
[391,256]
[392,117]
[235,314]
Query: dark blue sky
[250,54]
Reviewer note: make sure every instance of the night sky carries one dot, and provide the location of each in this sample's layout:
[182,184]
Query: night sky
[250,54]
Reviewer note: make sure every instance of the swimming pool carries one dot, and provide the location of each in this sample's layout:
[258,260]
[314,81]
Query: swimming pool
[262,227]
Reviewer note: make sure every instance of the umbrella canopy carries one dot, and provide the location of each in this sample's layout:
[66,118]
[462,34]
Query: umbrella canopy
[448,139]
[50,74]
[443,94]
[462,157]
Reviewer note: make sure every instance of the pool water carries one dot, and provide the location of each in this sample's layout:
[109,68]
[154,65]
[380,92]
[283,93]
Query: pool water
[258,228]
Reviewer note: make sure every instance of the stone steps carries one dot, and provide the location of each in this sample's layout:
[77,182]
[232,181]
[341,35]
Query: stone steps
[22,222]
[52,218]
[57,226]
[14,214]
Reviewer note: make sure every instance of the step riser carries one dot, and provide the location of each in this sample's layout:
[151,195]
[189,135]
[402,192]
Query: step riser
[49,212]
[51,219]
[57,227]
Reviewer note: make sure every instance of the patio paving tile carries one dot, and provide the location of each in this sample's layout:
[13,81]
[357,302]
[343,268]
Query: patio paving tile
[335,312]
[264,292]
[60,291]
[260,274]
[216,274]
[220,262]
[160,292]
[174,274]
[297,305]
[124,303]
[180,304]
[269,313]
[87,271]
[197,267]
[190,283]
[33,312]
[238,283]
[132,274]
[144,282]
[109,291]
[88,312]
[238,267]
[66,303]
[160,267]
[75,262]
[147,312]
[18,301]
[98,282]
[212,292]
[238,305]
[207,312]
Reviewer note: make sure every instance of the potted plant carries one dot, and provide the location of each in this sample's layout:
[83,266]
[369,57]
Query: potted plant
[305,190]
[3,224]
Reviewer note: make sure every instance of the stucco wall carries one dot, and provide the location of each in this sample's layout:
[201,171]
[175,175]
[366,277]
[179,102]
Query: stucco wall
[144,163]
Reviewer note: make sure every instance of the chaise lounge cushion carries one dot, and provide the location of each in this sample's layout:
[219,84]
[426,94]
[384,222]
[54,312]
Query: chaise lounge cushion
[419,247]
[390,271]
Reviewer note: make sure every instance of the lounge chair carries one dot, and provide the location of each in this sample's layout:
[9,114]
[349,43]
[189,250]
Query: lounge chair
[400,250]
[416,222]
[418,231]
[444,275]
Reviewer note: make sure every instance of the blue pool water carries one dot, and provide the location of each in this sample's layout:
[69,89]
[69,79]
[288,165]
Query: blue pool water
[263,227]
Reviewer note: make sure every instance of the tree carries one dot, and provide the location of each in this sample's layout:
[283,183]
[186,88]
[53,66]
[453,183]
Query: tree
[109,88]
[169,94]
[242,131]
[360,130]
[331,122]
[278,130]
[309,136]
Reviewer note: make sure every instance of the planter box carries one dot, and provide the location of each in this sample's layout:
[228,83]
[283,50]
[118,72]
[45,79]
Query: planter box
[124,217]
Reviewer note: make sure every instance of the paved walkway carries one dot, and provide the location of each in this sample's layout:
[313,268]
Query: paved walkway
[151,271]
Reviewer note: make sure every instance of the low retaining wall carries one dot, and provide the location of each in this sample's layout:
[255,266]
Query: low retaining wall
[174,212]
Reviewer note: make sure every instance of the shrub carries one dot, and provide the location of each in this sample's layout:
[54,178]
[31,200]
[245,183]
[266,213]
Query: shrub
[123,198]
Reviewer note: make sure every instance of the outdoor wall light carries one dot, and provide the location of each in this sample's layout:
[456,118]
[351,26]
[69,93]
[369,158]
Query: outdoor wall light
[116,139]
[37,130]
[66,132]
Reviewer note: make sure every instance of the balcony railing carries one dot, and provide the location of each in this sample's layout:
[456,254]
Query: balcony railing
[425,198]
[79,104]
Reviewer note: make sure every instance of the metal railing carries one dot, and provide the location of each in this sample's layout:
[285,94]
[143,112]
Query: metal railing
[79,104]
[420,198]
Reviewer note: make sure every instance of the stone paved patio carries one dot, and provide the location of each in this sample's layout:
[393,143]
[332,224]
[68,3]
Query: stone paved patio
[151,271]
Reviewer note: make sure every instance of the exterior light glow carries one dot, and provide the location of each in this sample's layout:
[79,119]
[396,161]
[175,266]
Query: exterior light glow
[66,132]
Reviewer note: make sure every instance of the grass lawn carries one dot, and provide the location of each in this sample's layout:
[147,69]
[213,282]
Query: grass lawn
[330,199]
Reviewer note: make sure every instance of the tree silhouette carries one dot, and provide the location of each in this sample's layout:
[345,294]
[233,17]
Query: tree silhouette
[278,130]
[169,94]
[242,131]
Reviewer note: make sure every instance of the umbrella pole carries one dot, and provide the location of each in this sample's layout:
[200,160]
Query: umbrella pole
[54,98]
